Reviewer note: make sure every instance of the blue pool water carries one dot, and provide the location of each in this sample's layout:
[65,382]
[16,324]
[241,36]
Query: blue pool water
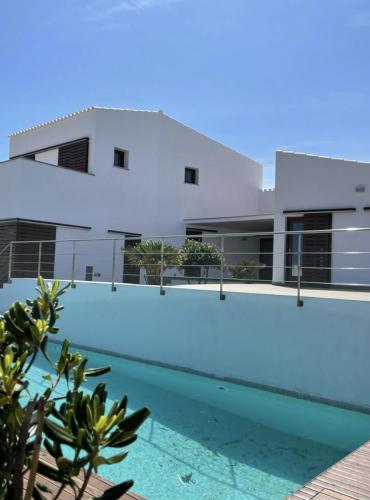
[209,439]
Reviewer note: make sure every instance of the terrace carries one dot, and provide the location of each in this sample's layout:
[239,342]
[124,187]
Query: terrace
[235,261]
[248,393]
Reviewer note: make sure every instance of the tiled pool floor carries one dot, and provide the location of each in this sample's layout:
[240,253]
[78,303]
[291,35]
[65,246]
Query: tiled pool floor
[193,448]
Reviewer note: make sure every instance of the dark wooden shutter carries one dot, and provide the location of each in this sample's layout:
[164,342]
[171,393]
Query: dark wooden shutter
[7,234]
[315,265]
[75,155]
[25,261]
[30,156]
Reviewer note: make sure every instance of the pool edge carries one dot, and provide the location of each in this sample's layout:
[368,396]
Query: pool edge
[255,385]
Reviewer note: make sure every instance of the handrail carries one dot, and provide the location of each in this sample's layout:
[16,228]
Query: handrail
[27,261]
[205,235]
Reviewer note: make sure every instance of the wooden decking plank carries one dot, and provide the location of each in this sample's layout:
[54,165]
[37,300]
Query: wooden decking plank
[349,479]
[337,496]
[326,495]
[359,469]
[96,487]
[302,494]
[350,489]
[363,457]
[343,487]
[309,491]
[362,482]
[341,472]
[355,461]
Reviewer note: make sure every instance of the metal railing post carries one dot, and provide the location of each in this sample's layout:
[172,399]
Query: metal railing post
[222,295]
[10,262]
[299,269]
[161,289]
[73,284]
[114,288]
[39,260]
[123,258]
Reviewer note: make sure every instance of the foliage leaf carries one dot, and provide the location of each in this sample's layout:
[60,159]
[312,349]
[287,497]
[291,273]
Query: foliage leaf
[96,372]
[116,491]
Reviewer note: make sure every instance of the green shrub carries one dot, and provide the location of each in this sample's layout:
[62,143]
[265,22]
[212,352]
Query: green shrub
[246,270]
[198,257]
[76,420]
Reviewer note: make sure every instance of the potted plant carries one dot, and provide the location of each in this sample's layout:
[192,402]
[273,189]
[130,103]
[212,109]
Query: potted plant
[76,420]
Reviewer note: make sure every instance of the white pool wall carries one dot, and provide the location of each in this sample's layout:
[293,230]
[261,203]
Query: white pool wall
[320,350]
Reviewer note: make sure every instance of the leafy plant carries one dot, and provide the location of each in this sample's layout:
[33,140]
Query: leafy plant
[76,421]
[246,270]
[148,255]
[198,257]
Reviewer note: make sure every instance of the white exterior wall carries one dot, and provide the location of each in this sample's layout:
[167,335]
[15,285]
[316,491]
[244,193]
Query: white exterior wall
[266,202]
[149,198]
[50,156]
[228,181]
[305,182]
[76,127]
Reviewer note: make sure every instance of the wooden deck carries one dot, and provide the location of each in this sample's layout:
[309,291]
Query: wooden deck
[348,479]
[96,487]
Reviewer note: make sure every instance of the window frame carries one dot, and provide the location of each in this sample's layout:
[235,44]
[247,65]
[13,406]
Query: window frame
[195,172]
[125,154]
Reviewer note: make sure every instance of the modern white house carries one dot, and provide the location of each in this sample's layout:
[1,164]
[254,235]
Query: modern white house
[103,173]
[110,173]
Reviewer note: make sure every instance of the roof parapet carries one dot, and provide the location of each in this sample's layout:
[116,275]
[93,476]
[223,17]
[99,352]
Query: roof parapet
[76,113]
[311,155]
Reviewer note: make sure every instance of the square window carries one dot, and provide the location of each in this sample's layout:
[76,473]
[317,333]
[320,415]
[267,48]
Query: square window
[191,175]
[120,158]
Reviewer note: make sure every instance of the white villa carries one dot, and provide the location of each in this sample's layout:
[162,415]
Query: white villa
[106,173]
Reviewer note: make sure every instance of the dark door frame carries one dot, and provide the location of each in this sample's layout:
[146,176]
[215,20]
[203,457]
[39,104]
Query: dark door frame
[321,243]
[289,239]
[265,274]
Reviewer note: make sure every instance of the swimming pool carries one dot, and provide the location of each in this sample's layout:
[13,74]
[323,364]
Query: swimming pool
[210,439]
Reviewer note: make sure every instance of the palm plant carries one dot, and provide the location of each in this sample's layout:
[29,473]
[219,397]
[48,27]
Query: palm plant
[247,270]
[149,254]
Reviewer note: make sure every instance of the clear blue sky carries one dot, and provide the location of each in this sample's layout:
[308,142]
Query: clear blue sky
[258,75]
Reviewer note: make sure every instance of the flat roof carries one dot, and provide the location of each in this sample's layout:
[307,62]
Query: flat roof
[235,218]
[312,155]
